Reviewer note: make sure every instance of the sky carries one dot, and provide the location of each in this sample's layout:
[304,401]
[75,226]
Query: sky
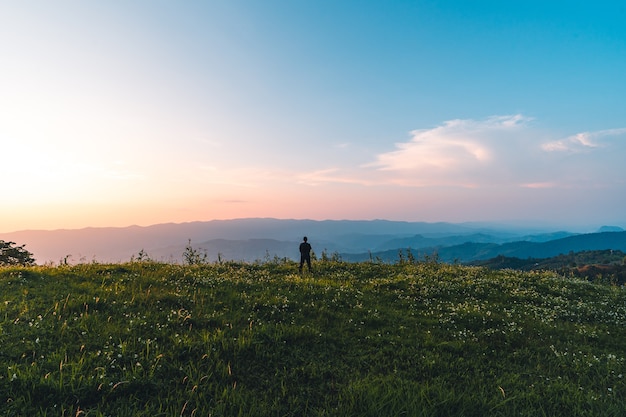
[118,113]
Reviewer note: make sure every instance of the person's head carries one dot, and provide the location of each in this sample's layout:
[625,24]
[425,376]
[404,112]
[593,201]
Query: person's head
[305,238]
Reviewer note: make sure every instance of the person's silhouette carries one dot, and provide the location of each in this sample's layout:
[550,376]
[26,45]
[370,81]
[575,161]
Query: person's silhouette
[305,254]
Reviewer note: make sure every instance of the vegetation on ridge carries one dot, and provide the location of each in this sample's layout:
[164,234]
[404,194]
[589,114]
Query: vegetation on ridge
[10,254]
[353,339]
[607,266]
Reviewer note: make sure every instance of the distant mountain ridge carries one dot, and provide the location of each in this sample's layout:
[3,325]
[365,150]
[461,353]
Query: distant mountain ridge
[474,251]
[260,239]
[119,244]
[610,229]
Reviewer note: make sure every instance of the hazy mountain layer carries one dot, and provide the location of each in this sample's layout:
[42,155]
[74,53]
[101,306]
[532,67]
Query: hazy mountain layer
[260,239]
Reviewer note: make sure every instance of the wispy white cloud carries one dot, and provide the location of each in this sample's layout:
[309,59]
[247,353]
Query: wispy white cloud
[499,151]
[540,185]
[341,145]
[460,152]
[342,175]
[582,141]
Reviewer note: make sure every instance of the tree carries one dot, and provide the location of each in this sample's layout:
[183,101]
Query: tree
[14,255]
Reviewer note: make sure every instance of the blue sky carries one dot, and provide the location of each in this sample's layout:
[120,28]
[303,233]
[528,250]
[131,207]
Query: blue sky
[140,112]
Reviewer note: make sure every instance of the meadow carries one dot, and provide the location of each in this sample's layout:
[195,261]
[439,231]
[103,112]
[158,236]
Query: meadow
[351,339]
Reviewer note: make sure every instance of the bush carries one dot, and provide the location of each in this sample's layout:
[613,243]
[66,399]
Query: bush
[14,255]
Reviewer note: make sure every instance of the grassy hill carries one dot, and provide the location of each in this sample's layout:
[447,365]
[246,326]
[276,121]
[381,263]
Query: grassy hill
[352,339]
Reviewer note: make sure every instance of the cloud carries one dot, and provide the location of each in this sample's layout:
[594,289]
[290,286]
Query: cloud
[499,151]
[334,175]
[458,153]
[456,143]
[582,141]
[341,145]
[539,185]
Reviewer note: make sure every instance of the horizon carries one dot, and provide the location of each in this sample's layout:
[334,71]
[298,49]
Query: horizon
[152,112]
[254,239]
[523,226]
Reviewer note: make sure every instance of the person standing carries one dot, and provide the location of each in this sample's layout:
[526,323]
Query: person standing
[305,254]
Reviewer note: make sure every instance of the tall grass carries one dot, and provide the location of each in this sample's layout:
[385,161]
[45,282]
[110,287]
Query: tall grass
[368,339]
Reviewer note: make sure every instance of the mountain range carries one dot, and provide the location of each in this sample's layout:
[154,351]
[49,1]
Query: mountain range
[353,240]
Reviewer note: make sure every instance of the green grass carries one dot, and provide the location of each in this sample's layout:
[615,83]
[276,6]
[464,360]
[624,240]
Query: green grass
[367,339]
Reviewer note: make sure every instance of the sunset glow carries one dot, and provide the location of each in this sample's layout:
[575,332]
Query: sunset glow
[113,114]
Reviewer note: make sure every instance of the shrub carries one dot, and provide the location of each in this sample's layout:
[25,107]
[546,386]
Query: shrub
[14,255]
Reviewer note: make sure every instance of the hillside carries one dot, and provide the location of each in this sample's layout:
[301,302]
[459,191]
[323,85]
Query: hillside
[557,263]
[607,266]
[474,251]
[366,339]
